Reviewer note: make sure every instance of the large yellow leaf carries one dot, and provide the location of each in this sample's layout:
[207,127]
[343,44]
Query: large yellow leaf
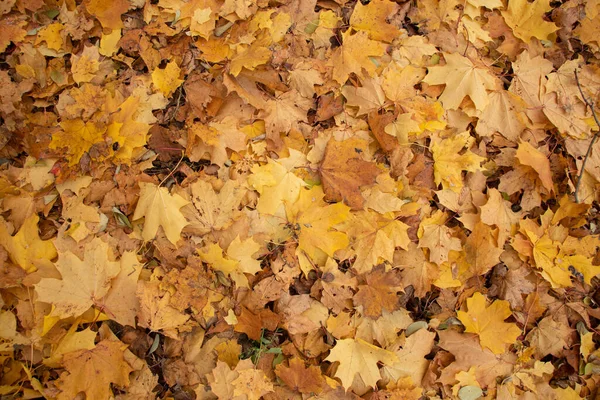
[462,78]
[26,248]
[166,80]
[450,160]
[84,282]
[316,221]
[358,359]
[277,183]
[354,54]
[76,138]
[375,237]
[92,371]
[160,208]
[372,18]
[488,322]
[527,19]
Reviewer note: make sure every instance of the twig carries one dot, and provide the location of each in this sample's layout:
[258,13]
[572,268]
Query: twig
[174,169]
[590,104]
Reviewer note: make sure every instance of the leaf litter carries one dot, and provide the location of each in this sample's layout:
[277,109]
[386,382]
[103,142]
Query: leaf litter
[216,199]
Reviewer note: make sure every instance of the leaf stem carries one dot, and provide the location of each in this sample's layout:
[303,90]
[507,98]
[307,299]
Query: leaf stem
[590,104]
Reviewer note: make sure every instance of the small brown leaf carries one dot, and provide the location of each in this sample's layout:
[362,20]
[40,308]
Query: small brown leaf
[344,172]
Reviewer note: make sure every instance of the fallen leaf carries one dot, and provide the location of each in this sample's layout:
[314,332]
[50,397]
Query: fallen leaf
[488,323]
[160,208]
[84,282]
[358,360]
[344,172]
[86,371]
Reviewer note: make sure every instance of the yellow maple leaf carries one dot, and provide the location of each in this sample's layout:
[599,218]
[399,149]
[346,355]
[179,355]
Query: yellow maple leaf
[358,359]
[277,183]
[127,130]
[462,78]
[316,221]
[85,66]
[545,251]
[167,80]
[372,18]
[239,259]
[84,282]
[488,322]
[76,139]
[532,157]
[440,241]
[354,54]
[52,35]
[250,57]
[160,209]
[26,248]
[375,237]
[527,19]
[450,160]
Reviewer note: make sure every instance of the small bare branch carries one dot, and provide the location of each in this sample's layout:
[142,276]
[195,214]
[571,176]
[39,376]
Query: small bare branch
[590,104]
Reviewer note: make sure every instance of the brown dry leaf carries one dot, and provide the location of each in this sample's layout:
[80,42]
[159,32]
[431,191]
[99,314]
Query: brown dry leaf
[87,371]
[482,252]
[300,378]
[440,241]
[416,270]
[468,353]
[344,172]
[379,292]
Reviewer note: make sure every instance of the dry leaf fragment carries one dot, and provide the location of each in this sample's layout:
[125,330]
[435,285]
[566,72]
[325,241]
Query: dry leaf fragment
[160,208]
[488,323]
[532,157]
[344,172]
